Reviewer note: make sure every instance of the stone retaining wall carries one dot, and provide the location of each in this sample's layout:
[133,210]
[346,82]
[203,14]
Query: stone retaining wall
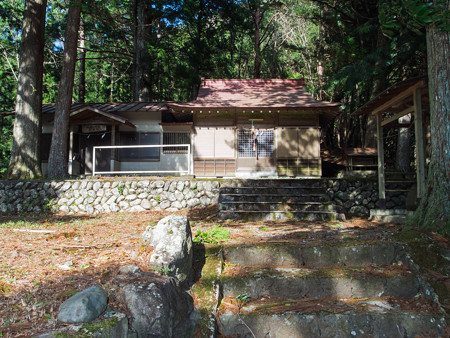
[98,196]
[358,197]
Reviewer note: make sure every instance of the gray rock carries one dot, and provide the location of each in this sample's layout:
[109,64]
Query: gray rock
[83,307]
[131,270]
[179,195]
[165,204]
[177,205]
[172,242]
[159,308]
[66,186]
[146,204]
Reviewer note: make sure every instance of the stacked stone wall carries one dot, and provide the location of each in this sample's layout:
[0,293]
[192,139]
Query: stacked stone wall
[99,196]
[354,197]
[90,196]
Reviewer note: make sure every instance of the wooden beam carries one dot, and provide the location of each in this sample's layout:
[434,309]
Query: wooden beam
[381,175]
[407,92]
[420,149]
[397,116]
[398,125]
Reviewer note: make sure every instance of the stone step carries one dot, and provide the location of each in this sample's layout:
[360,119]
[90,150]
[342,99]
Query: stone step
[273,198]
[268,190]
[281,215]
[332,254]
[299,283]
[277,206]
[280,182]
[329,318]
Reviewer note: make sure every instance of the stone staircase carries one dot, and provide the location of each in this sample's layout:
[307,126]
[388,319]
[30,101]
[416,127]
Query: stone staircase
[340,288]
[278,199]
[398,185]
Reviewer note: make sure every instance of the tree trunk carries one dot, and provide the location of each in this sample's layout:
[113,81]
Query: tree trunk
[434,209]
[58,159]
[82,67]
[25,162]
[257,43]
[402,156]
[142,33]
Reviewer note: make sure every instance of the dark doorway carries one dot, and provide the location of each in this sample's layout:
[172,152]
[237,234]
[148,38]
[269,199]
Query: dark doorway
[103,157]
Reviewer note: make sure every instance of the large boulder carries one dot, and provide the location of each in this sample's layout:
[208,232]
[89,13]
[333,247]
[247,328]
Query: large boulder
[159,307]
[171,239]
[83,307]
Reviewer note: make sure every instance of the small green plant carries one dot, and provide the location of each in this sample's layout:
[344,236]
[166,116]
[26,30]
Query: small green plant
[157,198]
[120,189]
[241,299]
[163,270]
[263,228]
[49,205]
[212,236]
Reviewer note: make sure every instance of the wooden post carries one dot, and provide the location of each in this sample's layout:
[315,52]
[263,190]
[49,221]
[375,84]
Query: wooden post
[420,150]
[381,175]
[113,151]
[70,159]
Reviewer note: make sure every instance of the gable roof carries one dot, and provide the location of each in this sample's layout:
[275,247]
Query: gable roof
[110,107]
[258,93]
[108,111]
[396,98]
[262,94]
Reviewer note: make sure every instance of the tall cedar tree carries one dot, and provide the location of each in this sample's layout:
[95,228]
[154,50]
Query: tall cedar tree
[57,162]
[142,61]
[434,210]
[25,156]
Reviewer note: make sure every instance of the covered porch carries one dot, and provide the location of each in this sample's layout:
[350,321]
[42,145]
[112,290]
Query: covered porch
[406,97]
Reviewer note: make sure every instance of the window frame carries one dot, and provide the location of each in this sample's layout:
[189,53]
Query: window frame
[139,157]
[171,150]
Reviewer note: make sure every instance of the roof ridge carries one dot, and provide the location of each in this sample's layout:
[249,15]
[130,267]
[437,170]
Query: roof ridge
[294,82]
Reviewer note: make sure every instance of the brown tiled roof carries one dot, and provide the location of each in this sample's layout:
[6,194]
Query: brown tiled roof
[258,93]
[111,107]
[391,93]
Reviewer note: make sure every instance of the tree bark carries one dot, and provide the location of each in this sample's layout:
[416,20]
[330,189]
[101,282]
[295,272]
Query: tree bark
[58,159]
[434,210]
[142,32]
[257,42]
[82,67]
[25,162]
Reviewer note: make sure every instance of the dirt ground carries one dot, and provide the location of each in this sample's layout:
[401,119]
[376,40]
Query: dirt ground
[46,258]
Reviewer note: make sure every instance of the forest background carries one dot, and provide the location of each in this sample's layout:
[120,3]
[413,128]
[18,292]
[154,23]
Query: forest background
[347,51]
[341,48]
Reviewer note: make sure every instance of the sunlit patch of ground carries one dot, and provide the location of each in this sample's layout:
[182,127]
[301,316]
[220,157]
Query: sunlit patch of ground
[47,258]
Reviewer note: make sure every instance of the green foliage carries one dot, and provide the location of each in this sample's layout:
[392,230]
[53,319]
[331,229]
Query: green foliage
[398,16]
[6,127]
[212,236]
[163,270]
[242,298]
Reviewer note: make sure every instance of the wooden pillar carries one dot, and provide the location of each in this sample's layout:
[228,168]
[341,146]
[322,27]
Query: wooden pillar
[70,159]
[420,149]
[381,175]
[113,151]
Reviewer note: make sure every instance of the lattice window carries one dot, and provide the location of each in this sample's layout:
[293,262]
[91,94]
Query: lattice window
[258,142]
[246,143]
[265,143]
[176,138]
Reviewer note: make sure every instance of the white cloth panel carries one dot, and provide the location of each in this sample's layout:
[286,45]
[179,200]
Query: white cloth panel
[204,143]
[225,144]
